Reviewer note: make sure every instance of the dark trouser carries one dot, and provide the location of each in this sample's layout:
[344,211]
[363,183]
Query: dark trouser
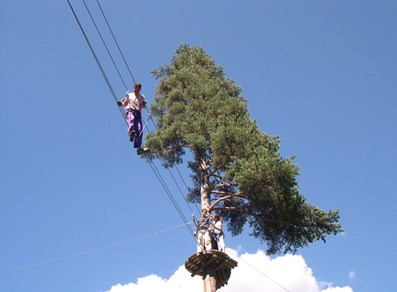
[134,121]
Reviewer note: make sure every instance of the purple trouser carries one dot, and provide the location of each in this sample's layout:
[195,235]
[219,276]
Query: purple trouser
[134,121]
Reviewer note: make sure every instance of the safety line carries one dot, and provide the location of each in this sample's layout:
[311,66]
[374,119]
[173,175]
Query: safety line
[103,42]
[150,117]
[180,175]
[152,165]
[115,40]
[157,174]
[115,98]
[94,249]
[180,191]
[256,269]
[170,196]
[96,59]
[187,188]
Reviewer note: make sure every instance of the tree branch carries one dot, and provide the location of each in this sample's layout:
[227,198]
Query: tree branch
[226,198]
[213,208]
[238,194]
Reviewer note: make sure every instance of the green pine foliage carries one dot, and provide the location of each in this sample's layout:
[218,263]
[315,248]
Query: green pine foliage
[199,110]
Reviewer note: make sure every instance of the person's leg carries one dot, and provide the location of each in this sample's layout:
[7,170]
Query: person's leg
[200,245]
[138,130]
[221,243]
[207,241]
[129,116]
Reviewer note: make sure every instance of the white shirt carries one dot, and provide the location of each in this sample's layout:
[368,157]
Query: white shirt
[132,101]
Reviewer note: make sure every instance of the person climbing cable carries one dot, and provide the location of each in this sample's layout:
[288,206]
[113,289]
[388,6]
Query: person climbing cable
[203,226]
[133,103]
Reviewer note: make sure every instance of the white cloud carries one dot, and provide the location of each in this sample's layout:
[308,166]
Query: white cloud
[352,275]
[338,289]
[255,273]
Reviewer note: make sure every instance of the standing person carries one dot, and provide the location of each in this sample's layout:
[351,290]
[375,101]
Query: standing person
[218,232]
[203,226]
[133,103]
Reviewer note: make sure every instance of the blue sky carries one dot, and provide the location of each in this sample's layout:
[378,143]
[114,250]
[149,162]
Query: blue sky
[79,211]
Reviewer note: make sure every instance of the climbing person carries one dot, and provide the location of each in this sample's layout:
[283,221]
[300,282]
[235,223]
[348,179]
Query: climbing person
[203,226]
[133,103]
[218,232]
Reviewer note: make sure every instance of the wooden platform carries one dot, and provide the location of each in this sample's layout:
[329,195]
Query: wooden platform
[213,262]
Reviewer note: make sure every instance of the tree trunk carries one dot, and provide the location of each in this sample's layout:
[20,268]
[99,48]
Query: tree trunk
[209,281]
[209,284]
[204,185]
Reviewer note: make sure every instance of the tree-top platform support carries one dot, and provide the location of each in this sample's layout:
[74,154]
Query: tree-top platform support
[211,262]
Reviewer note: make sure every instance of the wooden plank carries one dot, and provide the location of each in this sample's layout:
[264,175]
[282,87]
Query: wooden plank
[211,262]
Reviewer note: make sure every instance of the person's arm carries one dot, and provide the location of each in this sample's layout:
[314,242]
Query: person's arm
[144,101]
[123,101]
[195,220]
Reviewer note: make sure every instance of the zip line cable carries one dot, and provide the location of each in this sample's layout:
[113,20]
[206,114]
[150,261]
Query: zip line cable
[187,188]
[132,77]
[96,58]
[258,270]
[128,68]
[152,165]
[103,42]
[157,173]
[124,242]
[180,175]
[115,40]
[173,177]
[136,238]
[170,196]
[154,168]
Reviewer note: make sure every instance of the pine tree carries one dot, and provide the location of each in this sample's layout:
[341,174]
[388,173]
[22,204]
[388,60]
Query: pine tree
[237,170]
